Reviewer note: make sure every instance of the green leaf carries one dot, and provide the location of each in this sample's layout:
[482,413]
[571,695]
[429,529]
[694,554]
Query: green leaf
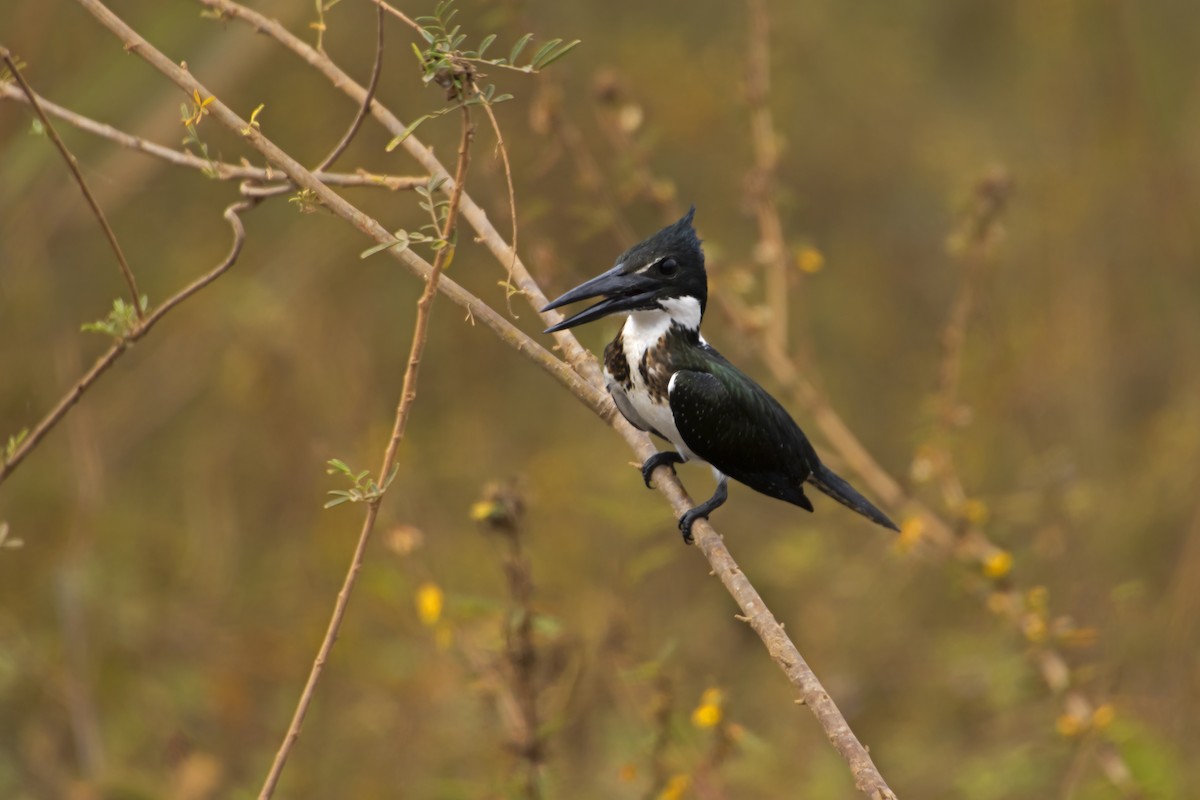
[412,126]
[543,51]
[486,43]
[518,47]
[550,59]
[400,244]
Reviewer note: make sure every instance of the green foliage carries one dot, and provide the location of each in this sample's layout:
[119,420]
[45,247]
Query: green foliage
[429,234]
[364,488]
[445,63]
[190,119]
[305,200]
[14,441]
[444,51]
[120,322]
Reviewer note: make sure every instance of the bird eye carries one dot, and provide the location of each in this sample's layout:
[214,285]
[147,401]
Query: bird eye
[668,267]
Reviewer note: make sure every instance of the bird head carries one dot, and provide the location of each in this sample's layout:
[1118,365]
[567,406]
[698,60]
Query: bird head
[667,266]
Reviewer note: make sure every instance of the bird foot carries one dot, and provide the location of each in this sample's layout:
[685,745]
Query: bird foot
[666,458]
[687,520]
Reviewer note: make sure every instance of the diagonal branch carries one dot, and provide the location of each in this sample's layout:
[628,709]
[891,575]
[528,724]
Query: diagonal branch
[221,170]
[408,395]
[372,85]
[73,165]
[590,390]
[121,345]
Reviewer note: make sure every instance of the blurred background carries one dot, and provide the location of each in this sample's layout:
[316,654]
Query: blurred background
[176,569]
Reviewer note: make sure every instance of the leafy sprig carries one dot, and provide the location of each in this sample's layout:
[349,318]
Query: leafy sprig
[364,489]
[120,322]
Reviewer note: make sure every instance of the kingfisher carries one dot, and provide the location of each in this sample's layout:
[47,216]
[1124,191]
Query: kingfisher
[667,380]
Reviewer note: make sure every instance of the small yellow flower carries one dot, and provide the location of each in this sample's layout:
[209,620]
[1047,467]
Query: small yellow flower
[675,787]
[627,773]
[809,260]
[1069,725]
[1102,717]
[484,510]
[430,600]
[998,564]
[708,713]
[911,531]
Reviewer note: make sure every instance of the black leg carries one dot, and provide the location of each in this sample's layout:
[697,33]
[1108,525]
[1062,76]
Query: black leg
[704,509]
[667,458]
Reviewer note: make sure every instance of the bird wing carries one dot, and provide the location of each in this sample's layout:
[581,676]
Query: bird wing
[731,422]
[623,404]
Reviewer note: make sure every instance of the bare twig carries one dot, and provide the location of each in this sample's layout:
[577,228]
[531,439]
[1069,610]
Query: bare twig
[504,511]
[512,198]
[121,345]
[398,14]
[219,169]
[73,165]
[364,107]
[408,395]
[585,383]
[760,184]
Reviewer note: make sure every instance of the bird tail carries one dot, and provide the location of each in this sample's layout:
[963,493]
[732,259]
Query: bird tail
[831,484]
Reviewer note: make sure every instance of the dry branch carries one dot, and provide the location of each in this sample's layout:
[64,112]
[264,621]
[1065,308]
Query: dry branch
[408,395]
[121,345]
[73,165]
[219,169]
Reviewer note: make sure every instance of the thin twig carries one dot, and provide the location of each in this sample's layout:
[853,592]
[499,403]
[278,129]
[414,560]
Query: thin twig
[363,107]
[121,345]
[760,184]
[408,395]
[73,165]
[588,389]
[398,14]
[221,170]
[509,290]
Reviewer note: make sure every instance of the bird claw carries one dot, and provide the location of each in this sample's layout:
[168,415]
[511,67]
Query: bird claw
[665,458]
[685,525]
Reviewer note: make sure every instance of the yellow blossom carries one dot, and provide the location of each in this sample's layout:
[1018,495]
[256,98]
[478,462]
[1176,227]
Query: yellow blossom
[998,564]
[430,600]
[911,531]
[809,259]
[627,773]
[1069,725]
[708,713]
[675,787]
[483,510]
[1102,717]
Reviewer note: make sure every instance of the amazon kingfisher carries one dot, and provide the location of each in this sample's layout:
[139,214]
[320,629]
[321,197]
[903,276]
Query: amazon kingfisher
[667,380]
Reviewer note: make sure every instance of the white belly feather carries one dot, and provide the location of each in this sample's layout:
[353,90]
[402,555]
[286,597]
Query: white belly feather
[643,330]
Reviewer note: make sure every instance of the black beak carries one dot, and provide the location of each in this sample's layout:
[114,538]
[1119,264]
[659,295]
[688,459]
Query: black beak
[621,292]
